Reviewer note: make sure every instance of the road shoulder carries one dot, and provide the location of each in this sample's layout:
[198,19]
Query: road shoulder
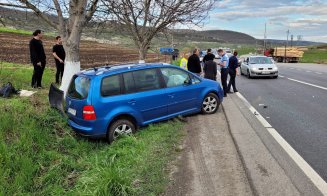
[209,163]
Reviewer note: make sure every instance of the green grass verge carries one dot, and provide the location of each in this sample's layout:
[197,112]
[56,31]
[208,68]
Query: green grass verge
[41,155]
[314,55]
[12,30]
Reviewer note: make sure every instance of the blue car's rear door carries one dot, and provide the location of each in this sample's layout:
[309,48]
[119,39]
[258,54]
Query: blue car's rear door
[146,94]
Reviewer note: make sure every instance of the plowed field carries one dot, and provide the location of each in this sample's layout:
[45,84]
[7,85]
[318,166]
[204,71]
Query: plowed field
[14,48]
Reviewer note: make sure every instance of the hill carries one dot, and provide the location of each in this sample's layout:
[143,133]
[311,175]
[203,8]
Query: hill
[116,33]
[29,21]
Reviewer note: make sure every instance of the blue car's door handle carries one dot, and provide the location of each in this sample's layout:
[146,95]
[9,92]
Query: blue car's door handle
[132,102]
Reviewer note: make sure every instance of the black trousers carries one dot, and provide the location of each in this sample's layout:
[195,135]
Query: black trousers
[232,76]
[60,71]
[37,75]
[224,75]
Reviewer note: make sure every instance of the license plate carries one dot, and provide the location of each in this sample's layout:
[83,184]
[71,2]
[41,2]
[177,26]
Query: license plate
[265,72]
[72,111]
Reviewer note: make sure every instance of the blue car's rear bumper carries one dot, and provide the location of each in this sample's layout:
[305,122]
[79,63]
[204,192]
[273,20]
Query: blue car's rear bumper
[85,131]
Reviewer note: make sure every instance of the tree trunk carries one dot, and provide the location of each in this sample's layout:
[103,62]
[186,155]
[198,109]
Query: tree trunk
[142,54]
[72,62]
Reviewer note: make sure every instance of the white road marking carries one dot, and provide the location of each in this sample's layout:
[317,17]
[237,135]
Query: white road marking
[308,71]
[303,165]
[281,76]
[299,69]
[318,73]
[292,68]
[321,87]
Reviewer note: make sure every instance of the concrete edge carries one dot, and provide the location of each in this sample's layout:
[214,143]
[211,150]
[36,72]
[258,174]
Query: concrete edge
[252,186]
[297,176]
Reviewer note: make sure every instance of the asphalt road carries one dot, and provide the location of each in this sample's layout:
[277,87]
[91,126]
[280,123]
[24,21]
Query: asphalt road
[296,106]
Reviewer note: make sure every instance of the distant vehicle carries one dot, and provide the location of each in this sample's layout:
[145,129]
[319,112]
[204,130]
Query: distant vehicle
[216,54]
[259,66]
[111,101]
[203,53]
[288,55]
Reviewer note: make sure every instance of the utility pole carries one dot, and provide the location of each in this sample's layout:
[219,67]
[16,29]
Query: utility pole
[265,37]
[288,32]
[292,40]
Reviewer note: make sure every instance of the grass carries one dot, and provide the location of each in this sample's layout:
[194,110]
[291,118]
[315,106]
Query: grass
[12,30]
[41,155]
[315,55]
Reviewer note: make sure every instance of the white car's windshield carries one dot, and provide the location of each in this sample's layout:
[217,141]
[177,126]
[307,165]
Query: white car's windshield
[260,60]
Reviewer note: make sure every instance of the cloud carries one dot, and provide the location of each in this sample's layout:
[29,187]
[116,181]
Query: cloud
[302,17]
[313,10]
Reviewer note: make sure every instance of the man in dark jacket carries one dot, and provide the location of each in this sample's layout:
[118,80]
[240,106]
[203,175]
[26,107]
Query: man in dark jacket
[210,70]
[209,56]
[59,55]
[232,71]
[193,64]
[38,58]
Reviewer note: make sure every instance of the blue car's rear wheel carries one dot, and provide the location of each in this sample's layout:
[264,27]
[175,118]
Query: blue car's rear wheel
[210,104]
[120,127]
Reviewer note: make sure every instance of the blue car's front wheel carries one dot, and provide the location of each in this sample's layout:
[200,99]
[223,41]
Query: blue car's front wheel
[210,104]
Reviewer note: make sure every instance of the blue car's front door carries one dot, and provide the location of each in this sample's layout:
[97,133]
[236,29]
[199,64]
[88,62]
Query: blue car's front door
[182,94]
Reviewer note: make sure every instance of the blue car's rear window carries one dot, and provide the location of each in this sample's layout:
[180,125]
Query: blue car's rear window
[79,87]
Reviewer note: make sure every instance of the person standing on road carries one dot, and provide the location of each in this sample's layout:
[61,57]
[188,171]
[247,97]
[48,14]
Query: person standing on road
[209,56]
[232,71]
[210,70]
[224,69]
[59,55]
[38,58]
[183,63]
[194,64]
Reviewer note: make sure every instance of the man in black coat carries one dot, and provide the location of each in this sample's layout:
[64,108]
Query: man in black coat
[210,70]
[193,64]
[209,56]
[232,71]
[38,58]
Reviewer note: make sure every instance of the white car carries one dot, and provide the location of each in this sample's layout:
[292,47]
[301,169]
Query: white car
[259,66]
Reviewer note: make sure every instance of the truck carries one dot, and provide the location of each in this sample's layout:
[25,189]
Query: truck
[288,55]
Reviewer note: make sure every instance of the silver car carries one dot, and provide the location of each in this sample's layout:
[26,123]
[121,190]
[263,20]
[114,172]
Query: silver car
[259,66]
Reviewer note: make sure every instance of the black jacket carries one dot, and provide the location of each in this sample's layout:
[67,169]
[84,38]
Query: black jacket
[210,70]
[208,57]
[233,63]
[37,51]
[193,64]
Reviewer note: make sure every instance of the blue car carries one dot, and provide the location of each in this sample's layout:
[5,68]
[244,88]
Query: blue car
[115,100]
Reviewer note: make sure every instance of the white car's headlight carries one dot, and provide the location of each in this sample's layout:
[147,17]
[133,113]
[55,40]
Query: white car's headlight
[275,68]
[254,68]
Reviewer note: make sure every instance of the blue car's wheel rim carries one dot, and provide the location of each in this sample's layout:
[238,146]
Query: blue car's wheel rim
[209,104]
[122,129]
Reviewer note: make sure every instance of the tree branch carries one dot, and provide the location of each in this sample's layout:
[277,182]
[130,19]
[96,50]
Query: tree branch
[91,11]
[60,16]
[12,5]
[39,13]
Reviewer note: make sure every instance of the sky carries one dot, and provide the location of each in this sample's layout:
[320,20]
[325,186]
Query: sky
[306,18]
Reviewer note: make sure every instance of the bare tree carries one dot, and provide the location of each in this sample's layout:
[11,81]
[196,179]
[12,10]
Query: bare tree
[71,17]
[145,18]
